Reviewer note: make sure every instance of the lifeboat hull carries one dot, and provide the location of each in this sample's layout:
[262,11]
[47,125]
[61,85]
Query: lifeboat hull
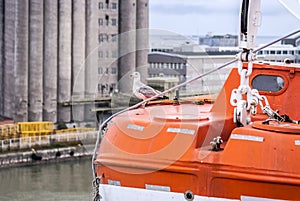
[162,151]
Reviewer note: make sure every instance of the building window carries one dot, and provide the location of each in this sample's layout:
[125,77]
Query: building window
[106,71]
[113,37]
[114,54]
[100,5]
[107,54]
[100,54]
[272,52]
[114,22]
[107,3]
[113,5]
[113,70]
[100,21]
[107,19]
[100,38]
[99,87]
[100,70]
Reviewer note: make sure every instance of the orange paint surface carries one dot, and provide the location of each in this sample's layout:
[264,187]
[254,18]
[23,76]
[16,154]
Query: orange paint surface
[167,144]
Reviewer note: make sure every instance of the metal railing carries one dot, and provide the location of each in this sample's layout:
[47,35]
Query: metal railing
[15,144]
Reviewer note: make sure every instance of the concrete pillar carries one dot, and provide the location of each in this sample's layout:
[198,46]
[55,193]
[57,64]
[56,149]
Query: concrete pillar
[21,61]
[35,109]
[127,43]
[142,38]
[50,60]
[91,55]
[78,58]
[9,58]
[64,59]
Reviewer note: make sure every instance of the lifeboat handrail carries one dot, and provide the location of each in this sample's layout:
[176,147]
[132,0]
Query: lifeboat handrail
[104,123]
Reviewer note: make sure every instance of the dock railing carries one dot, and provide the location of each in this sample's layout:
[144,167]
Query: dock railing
[23,143]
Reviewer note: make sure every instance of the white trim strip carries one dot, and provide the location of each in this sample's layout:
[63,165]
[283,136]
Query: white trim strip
[247,137]
[135,127]
[114,182]
[158,188]
[181,130]
[249,198]
[297,142]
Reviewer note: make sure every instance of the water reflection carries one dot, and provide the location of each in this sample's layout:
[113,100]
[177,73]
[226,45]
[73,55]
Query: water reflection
[67,181]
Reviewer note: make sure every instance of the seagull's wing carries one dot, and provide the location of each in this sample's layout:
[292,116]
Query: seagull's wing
[147,91]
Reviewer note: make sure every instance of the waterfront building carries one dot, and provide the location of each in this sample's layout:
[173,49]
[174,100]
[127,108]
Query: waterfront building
[59,56]
[133,41]
[108,24]
[293,40]
[227,40]
[279,53]
[187,65]
[44,45]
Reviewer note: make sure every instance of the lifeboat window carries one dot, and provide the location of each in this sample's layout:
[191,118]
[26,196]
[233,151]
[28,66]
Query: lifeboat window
[268,83]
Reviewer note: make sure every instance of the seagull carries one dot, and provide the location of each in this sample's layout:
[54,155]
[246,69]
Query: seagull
[141,90]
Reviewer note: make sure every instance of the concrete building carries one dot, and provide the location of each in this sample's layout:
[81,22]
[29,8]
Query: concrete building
[187,65]
[133,41]
[279,53]
[293,40]
[219,40]
[44,46]
[167,65]
[108,24]
[58,56]
[123,43]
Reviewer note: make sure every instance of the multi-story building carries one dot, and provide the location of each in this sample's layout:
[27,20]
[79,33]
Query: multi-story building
[219,40]
[279,53]
[123,43]
[50,50]
[108,22]
[294,40]
[43,55]
[187,65]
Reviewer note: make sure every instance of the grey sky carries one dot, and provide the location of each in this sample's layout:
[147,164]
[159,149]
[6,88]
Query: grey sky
[220,16]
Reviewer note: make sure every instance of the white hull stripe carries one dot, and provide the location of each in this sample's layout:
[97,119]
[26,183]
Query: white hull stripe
[117,193]
[181,130]
[247,137]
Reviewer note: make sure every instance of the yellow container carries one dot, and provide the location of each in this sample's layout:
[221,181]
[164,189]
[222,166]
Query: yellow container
[35,126]
[11,130]
[26,129]
[3,132]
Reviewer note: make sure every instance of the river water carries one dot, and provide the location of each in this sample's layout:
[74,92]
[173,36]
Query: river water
[65,181]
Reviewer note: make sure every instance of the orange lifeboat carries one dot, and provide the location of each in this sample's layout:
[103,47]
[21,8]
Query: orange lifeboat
[183,150]
[242,145]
